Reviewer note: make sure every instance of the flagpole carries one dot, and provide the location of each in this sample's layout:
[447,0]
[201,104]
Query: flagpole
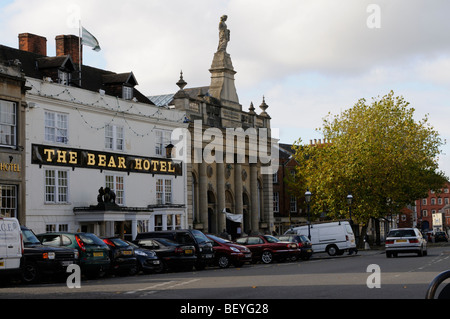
[79,53]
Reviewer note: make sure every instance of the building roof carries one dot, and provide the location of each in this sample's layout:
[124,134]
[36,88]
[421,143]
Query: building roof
[92,79]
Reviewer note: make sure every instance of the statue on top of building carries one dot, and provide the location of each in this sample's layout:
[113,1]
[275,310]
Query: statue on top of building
[224,34]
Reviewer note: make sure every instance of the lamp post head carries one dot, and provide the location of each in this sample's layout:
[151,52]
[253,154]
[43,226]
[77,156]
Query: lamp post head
[349,198]
[308,196]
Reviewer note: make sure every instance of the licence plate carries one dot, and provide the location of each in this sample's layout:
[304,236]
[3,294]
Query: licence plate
[188,251]
[98,254]
[248,255]
[66,263]
[209,256]
[127,252]
[400,240]
[309,250]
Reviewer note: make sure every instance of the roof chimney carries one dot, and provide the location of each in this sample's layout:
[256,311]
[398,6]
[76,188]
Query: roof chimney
[33,43]
[69,44]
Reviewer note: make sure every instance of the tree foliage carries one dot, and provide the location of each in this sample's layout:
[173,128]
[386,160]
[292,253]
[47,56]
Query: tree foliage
[377,152]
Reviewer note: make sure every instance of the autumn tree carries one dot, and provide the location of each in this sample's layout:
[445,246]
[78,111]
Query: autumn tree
[377,152]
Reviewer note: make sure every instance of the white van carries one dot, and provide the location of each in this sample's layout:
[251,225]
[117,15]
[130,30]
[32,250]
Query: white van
[11,245]
[334,238]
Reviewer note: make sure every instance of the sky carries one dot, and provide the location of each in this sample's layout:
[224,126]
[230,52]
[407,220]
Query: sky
[308,58]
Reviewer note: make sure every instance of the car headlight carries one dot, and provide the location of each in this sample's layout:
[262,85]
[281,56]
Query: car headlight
[141,253]
[50,255]
[235,249]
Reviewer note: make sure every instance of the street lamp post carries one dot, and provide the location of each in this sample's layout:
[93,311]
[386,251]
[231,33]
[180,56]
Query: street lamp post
[308,199]
[349,202]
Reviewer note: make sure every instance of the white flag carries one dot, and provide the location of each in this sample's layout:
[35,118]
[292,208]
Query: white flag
[88,39]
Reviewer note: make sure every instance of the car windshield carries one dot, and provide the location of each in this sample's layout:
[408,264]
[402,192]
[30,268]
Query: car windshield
[29,238]
[219,239]
[402,233]
[91,239]
[271,239]
[199,236]
[119,242]
[166,242]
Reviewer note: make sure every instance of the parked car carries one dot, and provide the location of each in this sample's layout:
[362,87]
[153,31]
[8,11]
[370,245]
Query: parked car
[192,237]
[303,243]
[266,248]
[440,236]
[39,260]
[94,253]
[172,255]
[147,260]
[121,254]
[226,252]
[405,240]
[11,246]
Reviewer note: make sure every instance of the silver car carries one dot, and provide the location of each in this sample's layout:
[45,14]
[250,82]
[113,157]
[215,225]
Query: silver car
[405,240]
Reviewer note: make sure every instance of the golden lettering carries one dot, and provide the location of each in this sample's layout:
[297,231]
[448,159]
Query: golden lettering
[72,157]
[163,166]
[138,164]
[49,155]
[61,156]
[111,163]
[101,160]
[155,163]
[121,162]
[91,159]
[171,169]
[146,165]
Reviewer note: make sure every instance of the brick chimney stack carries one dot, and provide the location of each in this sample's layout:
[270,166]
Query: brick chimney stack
[69,44]
[33,43]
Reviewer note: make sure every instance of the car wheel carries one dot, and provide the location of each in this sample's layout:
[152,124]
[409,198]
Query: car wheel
[266,257]
[30,273]
[223,261]
[332,250]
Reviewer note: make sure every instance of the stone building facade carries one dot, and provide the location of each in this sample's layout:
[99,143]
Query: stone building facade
[229,153]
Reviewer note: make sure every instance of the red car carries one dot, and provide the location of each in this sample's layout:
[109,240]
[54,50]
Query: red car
[226,252]
[266,248]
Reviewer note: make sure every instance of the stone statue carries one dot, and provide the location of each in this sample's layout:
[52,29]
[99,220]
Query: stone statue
[110,196]
[224,34]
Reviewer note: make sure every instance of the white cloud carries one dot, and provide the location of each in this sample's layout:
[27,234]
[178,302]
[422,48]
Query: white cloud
[307,57]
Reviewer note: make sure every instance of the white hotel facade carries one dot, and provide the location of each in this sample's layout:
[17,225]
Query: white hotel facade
[61,197]
[84,134]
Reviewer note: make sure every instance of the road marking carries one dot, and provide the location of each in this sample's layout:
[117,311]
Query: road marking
[152,289]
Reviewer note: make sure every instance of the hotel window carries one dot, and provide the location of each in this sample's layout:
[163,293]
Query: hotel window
[50,228]
[158,222]
[64,78]
[8,201]
[127,92]
[56,186]
[433,201]
[173,221]
[293,204]
[276,202]
[114,137]
[439,201]
[56,127]
[446,200]
[163,191]
[8,123]
[162,139]
[424,201]
[115,183]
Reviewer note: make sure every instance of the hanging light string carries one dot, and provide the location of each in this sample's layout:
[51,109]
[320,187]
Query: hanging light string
[101,102]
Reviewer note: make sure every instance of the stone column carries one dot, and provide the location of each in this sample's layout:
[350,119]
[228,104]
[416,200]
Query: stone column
[220,167]
[238,188]
[203,195]
[254,197]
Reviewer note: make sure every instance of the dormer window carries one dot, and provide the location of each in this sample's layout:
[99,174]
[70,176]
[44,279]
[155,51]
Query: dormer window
[127,92]
[64,78]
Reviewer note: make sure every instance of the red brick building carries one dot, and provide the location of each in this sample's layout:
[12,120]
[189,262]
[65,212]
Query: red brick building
[430,205]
